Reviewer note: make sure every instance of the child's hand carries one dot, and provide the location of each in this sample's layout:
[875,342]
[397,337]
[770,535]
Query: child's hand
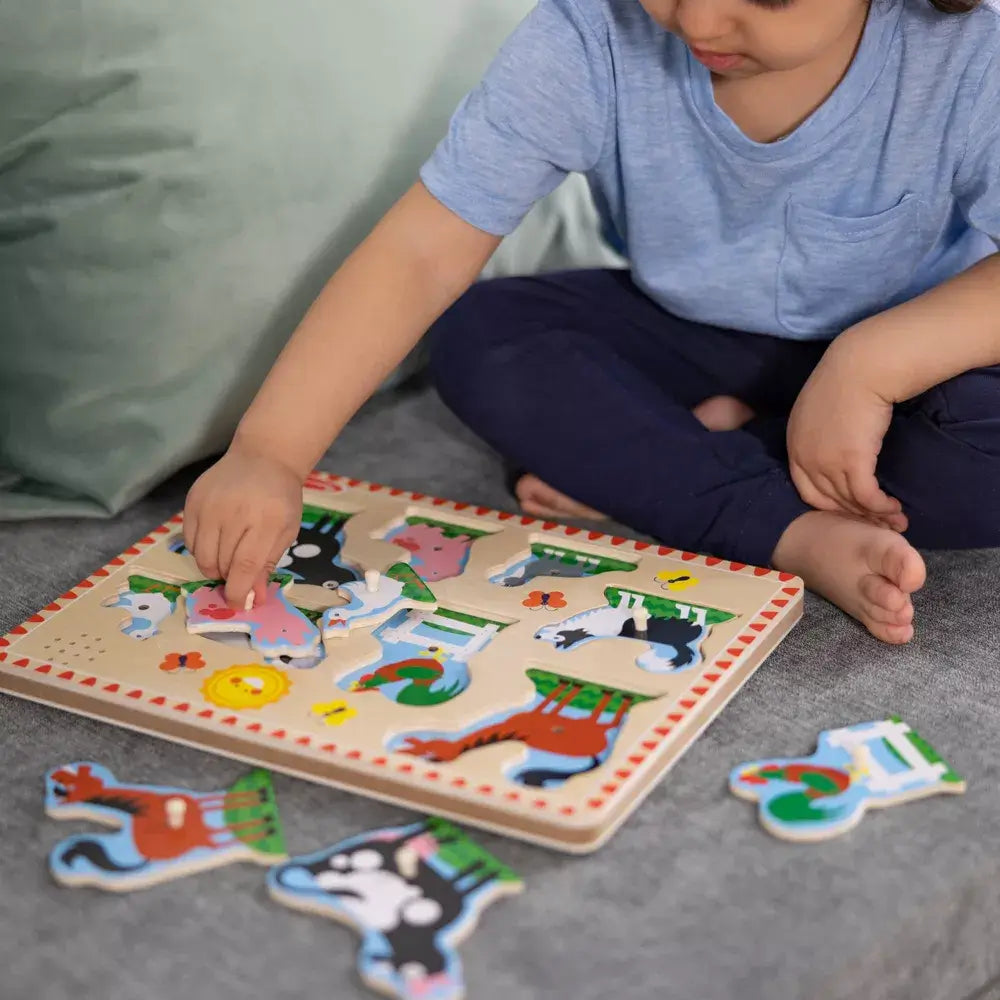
[240,517]
[835,434]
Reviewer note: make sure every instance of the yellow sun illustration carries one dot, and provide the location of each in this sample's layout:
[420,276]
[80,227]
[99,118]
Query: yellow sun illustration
[246,686]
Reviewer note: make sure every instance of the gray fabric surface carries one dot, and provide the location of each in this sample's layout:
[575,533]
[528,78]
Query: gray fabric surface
[691,901]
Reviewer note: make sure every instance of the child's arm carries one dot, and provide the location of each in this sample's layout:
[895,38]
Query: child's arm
[245,510]
[838,423]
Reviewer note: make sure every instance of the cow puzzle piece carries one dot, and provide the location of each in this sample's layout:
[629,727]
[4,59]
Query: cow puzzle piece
[276,628]
[163,833]
[866,766]
[375,599]
[414,893]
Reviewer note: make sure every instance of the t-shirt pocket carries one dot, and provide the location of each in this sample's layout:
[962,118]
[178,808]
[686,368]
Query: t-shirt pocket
[836,270]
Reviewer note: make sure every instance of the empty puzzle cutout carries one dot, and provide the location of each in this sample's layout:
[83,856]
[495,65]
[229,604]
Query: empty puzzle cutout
[438,550]
[316,556]
[547,560]
[147,604]
[867,766]
[425,656]
[275,626]
[378,597]
[163,833]
[675,631]
[569,728]
[412,892]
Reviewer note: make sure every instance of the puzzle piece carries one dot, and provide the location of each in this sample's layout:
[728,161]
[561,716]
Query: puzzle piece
[163,833]
[276,628]
[675,632]
[412,892]
[425,656]
[375,599]
[569,728]
[867,766]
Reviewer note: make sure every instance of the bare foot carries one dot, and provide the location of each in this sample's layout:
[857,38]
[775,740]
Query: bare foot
[868,571]
[541,500]
[723,413]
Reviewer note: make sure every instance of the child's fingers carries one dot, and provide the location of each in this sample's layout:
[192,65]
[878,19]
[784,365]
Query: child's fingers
[206,548]
[836,489]
[230,536]
[866,491]
[253,561]
[189,531]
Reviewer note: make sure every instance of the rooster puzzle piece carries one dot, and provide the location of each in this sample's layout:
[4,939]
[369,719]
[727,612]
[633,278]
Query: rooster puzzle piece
[867,766]
[163,833]
[412,892]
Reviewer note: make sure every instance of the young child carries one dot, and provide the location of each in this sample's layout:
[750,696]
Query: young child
[802,367]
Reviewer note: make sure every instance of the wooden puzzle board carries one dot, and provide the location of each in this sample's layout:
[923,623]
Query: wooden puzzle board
[73,655]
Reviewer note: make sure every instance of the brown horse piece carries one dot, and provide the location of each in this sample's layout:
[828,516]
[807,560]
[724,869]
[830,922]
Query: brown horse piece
[537,728]
[153,832]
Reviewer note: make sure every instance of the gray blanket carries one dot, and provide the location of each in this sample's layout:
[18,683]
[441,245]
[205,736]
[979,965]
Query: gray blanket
[690,901]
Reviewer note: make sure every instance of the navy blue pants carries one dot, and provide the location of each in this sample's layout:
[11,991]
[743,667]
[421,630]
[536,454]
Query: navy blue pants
[583,380]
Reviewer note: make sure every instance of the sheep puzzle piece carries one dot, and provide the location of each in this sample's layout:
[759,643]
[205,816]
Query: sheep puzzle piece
[508,673]
[867,766]
[412,892]
[162,833]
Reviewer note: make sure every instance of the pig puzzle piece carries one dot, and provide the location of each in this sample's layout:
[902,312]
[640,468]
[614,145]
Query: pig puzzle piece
[275,627]
[376,599]
[163,833]
[412,892]
[867,766]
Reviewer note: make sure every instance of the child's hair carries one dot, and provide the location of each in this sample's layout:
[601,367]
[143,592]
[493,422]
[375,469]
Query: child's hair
[956,6]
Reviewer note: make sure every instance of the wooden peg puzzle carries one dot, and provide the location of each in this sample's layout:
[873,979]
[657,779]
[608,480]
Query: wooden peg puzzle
[519,675]
[413,893]
[867,766]
[161,833]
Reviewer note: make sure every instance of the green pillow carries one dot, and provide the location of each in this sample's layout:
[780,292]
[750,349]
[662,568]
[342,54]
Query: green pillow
[178,178]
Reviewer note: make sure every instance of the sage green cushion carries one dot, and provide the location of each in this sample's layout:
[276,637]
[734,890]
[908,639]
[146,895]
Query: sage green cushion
[177,180]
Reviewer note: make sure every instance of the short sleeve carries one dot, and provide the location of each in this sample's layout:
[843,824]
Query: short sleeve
[540,113]
[977,182]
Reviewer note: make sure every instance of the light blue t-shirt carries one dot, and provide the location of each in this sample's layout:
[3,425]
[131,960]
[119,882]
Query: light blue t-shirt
[889,188]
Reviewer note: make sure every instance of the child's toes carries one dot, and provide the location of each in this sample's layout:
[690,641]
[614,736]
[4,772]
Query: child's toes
[883,596]
[902,565]
[895,634]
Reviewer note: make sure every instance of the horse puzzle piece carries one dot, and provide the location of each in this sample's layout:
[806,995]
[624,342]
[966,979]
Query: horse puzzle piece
[163,833]
[569,728]
[375,599]
[867,766]
[275,627]
[436,554]
[675,632]
[425,656]
[414,893]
